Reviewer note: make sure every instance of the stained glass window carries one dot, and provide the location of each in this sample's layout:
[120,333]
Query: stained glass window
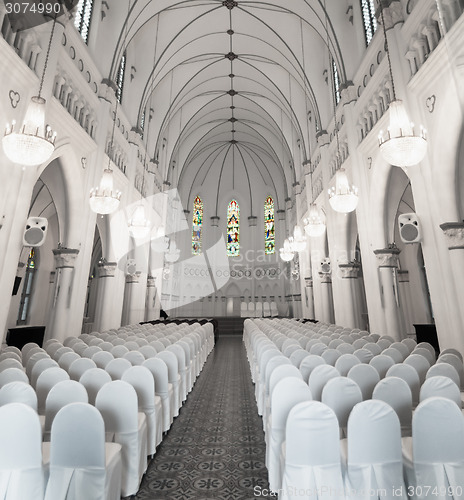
[233,229]
[82,18]
[369,20]
[269,226]
[197,222]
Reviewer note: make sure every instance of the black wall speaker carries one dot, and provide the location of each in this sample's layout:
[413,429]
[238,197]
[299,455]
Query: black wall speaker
[35,231]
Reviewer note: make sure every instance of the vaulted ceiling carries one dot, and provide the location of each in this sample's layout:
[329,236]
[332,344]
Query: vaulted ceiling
[232,91]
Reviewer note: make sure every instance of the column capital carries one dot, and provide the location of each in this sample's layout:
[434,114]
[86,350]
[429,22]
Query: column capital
[349,270]
[151,281]
[454,234]
[309,281]
[325,277]
[252,221]
[388,257]
[65,257]
[133,278]
[106,269]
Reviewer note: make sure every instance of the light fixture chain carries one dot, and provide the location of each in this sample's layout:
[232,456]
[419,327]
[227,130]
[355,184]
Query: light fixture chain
[47,56]
[387,51]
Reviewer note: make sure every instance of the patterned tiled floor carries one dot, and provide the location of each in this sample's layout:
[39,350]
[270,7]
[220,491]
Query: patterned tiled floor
[215,448]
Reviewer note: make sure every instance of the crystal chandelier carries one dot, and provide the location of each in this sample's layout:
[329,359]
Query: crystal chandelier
[173,253]
[287,252]
[400,146]
[314,225]
[139,225]
[33,143]
[343,198]
[299,239]
[104,199]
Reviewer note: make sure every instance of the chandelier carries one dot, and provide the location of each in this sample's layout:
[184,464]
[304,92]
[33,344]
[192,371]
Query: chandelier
[400,146]
[33,143]
[139,225]
[343,198]
[314,225]
[299,239]
[287,252]
[104,199]
[173,253]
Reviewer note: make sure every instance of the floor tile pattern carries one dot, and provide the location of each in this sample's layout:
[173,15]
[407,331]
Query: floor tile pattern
[215,447]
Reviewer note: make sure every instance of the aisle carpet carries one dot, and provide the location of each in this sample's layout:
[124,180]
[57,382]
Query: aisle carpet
[215,447]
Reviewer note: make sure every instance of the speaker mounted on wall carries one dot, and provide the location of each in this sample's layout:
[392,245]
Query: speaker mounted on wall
[35,231]
[131,267]
[325,267]
[409,227]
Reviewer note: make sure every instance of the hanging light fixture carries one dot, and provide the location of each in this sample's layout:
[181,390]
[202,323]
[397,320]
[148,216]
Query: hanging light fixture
[400,146]
[104,199]
[139,225]
[33,143]
[173,253]
[314,225]
[299,239]
[343,198]
[287,252]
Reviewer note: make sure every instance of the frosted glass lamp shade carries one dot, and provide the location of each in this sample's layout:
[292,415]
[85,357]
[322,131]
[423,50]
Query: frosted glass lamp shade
[33,143]
[299,239]
[173,254]
[314,225]
[343,198]
[104,199]
[287,253]
[400,146]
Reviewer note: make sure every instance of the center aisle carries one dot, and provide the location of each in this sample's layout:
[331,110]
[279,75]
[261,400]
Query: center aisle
[215,448]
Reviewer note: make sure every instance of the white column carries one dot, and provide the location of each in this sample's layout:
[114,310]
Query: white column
[388,263]
[58,321]
[104,308]
[351,294]
[152,304]
[309,297]
[131,312]
[406,299]
[326,298]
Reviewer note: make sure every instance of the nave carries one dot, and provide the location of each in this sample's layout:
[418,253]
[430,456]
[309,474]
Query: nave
[215,448]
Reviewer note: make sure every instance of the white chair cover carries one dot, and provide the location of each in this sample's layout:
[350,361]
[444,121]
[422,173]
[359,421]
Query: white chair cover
[173,376]
[93,380]
[13,375]
[60,395]
[319,377]
[40,366]
[403,348]
[287,392]
[117,402]
[297,357]
[444,370]
[47,379]
[346,348]
[341,394]
[443,387]
[382,364]
[90,351]
[67,359]
[148,351]
[345,362]
[450,350]
[102,358]
[21,471]
[18,392]
[312,454]
[163,389]
[82,465]
[436,461]
[308,364]
[454,360]
[410,344]
[373,347]
[135,358]
[271,365]
[260,380]
[420,363]
[374,461]
[366,376]
[330,356]
[79,366]
[117,367]
[396,392]
[422,351]
[364,355]
[410,376]
[141,379]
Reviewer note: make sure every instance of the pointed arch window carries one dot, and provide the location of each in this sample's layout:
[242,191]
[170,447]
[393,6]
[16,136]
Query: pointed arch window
[269,226]
[120,77]
[233,229]
[369,19]
[197,223]
[28,287]
[83,17]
